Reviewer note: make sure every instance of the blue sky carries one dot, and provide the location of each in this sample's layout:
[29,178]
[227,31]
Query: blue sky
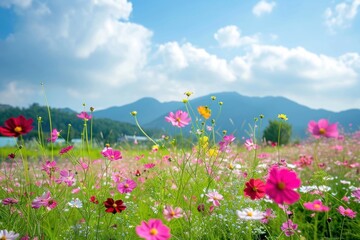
[112,52]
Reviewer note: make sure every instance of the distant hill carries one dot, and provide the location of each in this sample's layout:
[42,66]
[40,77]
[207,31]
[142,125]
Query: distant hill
[237,113]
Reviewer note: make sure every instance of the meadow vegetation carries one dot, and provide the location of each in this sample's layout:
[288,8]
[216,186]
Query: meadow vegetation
[175,188]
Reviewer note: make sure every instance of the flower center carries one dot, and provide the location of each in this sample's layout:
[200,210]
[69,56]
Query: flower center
[317,206]
[254,189]
[177,119]
[18,129]
[3,238]
[322,131]
[114,205]
[153,232]
[281,186]
[172,213]
[249,214]
[126,185]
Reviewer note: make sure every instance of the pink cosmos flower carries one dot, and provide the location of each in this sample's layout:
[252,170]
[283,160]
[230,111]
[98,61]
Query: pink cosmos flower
[154,229]
[250,145]
[9,201]
[66,149]
[111,154]
[323,128]
[66,177]
[44,201]
[280,185]
[54,135]
[227,140]
[149,165]
[49,167]
[127,186]
[289,228]
[170,213]
[215,198]
[268,214]
[346,212]
[179,119]
[84,115]
[316,206]
[356,194]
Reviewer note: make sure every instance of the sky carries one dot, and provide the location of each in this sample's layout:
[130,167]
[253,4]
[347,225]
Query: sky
[113,52]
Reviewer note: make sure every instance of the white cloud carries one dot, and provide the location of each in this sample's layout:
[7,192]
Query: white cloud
[230,36]
[342,15]
[263,7]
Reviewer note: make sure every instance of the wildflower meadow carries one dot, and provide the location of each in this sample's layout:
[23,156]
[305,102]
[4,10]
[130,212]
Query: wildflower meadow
[206,184]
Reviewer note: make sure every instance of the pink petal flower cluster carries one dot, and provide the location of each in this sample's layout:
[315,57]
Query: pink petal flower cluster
[54,135]
[44,201]
[316,206]
[170,212]
[346,212]
[215,198]
[225,143]
[9,201]
[66,149]
[289,228]
[154,229]
[66,177]
[49,167]
[250,145]
[280,185]
[179,119]
[323,128]
[111,154]
[127,186]
[268,214]
[84,115]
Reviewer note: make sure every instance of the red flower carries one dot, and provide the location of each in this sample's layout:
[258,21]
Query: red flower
[15,127]
[114,206]
[255,189]
[94,200]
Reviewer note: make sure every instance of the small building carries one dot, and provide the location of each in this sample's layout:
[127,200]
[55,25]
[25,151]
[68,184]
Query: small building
[8,141]
[128,138]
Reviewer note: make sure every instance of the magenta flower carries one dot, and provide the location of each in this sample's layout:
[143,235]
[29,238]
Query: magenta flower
[268,214]
[149,165]
[9,201]
[154,229]
[49,167]
[215,198]
[127,186]
[346,212]
[111,154]
[316,206]
[356,194]
[179,119]
[224,144]
[170,213]
[84,115]
[66,177]
[44,201]
[66,149]
[323,128]
[289,228]
[54,135]
[280,185]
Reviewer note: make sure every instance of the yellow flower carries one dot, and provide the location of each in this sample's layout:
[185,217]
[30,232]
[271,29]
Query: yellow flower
[204,141]
[204,111]
[188,93]
[283,117]
[213,152]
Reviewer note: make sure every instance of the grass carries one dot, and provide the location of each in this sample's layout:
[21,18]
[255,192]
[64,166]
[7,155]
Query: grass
[181,177]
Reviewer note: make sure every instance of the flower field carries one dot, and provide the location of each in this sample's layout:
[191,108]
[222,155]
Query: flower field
[213,186]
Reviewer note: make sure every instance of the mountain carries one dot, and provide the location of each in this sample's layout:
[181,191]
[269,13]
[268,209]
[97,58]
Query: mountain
[148,110]
[237,113]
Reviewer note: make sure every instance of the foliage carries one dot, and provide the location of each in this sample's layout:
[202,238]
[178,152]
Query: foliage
[271,132]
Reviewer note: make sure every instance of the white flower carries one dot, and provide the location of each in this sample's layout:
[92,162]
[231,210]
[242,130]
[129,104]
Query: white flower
[345,182]
[306,189]
[249,214]
[324,188]
[4,234]
[75,203]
